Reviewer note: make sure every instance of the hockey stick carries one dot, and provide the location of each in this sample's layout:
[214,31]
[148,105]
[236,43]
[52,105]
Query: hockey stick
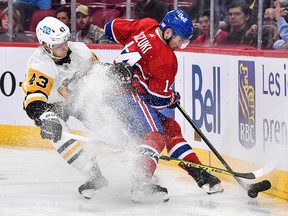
[253,189]
[250,175]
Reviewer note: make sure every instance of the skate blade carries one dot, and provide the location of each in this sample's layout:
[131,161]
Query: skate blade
[140,197]
[90,193]
[215,189]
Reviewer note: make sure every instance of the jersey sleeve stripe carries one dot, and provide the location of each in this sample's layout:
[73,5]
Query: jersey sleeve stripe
[34,97]
[109,32]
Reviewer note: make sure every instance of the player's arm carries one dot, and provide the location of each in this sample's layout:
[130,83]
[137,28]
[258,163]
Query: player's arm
[159,91]
[120,30]
[37,87]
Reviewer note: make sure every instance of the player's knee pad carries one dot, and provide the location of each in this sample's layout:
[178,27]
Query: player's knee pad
[155,140]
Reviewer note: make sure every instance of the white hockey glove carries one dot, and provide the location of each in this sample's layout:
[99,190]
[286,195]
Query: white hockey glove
[122,73]
[50,126]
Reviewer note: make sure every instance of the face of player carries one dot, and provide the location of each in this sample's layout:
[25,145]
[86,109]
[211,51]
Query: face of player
[175,42]
[83,21]
[178,42]
[63,17]
[204,24]
[60,50]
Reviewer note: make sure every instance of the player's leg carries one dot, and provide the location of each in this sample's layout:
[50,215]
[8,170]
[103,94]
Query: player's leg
[143,124]
[178,147]
[76,156]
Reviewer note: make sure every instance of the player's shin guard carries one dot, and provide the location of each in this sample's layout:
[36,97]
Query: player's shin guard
[178,147]
[142,190]
[74,154]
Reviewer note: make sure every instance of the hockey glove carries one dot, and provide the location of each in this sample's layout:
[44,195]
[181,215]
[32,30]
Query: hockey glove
[174,99]
[123,73]
[50,126]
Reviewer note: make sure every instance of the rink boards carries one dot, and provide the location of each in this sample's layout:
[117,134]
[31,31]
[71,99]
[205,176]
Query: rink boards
[237,98]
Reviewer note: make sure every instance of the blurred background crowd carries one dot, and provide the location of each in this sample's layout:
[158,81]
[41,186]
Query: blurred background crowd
[247,24]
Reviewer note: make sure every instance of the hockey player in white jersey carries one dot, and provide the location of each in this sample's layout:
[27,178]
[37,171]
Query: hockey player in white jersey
[55,64]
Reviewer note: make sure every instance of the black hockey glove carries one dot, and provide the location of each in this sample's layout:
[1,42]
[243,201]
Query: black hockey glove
[50,126]
[174,99]
[122,74]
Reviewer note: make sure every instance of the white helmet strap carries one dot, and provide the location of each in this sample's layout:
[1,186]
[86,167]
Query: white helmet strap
[50,53]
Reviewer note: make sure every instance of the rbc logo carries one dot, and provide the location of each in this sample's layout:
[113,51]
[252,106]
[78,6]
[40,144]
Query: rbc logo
[208,100]
[246,104]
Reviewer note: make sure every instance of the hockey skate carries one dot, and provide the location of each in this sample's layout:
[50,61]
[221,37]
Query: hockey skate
[89,188]
[149,193]
[95,182]
[205,180]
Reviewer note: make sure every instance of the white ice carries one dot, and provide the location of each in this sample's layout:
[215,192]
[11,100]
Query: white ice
[40,183]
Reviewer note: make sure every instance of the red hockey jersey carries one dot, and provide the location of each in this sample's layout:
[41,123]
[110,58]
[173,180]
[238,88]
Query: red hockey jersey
[154,61]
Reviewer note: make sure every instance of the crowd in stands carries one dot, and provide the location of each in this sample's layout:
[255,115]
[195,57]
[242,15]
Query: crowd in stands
[235,22]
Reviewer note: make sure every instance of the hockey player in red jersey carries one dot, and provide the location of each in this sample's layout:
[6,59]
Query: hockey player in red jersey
[149,48]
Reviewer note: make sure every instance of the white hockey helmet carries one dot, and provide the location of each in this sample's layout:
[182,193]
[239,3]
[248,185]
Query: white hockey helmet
[52,31]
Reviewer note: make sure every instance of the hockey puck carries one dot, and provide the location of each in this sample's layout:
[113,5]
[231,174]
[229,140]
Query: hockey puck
[258,187]
[252,193]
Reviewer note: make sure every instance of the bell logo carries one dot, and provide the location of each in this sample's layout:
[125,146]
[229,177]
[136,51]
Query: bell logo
[207,99]
[180,15]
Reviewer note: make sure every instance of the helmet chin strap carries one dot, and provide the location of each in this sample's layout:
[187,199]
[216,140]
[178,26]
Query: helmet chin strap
[166,40]
[50,53]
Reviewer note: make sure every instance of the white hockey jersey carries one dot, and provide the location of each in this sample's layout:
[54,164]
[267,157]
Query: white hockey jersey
[47,81]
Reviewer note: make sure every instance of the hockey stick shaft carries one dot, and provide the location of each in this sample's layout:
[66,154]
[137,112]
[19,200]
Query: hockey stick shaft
[213,149]
[174,160]
[200,166]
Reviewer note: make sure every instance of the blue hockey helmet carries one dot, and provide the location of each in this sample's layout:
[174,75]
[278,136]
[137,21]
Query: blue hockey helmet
[179,22]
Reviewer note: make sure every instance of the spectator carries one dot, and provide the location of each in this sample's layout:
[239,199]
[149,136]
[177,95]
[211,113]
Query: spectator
[239,19]
[88,33]
[27,8]
[222,9]
[197,7]
[269,31]
[255,7]
[281,44]
[155,9]
[64,15]
[284,9]
[204,38]
[18,34]
[270,17]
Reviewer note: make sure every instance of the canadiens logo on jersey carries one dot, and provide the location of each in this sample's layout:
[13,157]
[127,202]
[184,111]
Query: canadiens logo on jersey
[142,42]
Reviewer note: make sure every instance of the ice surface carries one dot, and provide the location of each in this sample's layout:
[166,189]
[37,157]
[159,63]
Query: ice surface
[40,183]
